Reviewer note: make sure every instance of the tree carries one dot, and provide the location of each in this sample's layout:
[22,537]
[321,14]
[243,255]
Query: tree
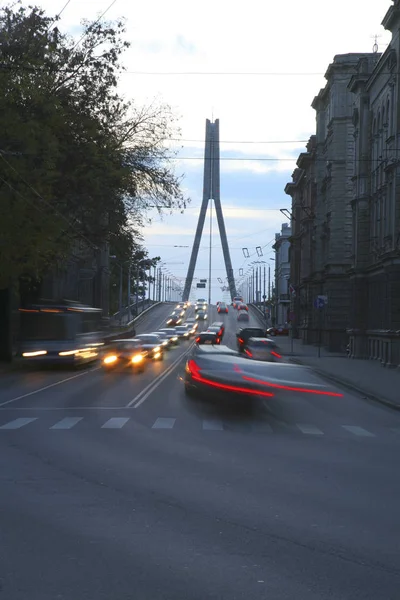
[77,162]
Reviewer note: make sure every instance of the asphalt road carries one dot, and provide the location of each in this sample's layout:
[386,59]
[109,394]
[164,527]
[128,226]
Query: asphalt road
[116,487]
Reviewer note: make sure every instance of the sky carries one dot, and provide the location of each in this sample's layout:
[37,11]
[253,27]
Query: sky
[255,66]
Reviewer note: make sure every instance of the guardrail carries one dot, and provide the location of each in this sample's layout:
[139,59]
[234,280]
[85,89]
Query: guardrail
[135,309]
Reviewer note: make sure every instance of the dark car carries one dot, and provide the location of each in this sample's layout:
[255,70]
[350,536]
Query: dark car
[278,330]
[166,340]
[261,348]
[215,370]
[171,335]
[125,353]
[183,331]
[201,315]
[244,334]
[192,324]
[207,337]
[243,315]
[222,308]
[174,320]
[153,345]
[217,329]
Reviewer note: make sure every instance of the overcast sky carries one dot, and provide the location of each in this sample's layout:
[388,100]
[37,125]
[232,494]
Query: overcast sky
[289,45]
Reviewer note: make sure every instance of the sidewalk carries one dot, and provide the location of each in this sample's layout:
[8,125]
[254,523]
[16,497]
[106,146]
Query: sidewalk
[365,377]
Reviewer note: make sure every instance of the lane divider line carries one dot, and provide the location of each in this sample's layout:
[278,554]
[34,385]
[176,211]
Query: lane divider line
[154,384]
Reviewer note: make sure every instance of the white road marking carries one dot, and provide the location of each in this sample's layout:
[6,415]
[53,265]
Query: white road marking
[309,429]
[358,430]
[18,423]
[115,423]
[163,423]
[47,387]
[67,423]
[149,389]
[213,425]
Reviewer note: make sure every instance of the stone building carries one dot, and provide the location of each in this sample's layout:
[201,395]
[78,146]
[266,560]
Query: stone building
[302,250]
[322,194]
[375,268]
[282,274]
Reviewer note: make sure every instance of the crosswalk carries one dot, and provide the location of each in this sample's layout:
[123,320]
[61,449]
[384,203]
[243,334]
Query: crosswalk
[206,425]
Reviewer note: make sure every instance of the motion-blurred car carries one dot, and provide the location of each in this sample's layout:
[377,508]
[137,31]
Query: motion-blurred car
[245,333]
[181,306]
[201,315]
[278,330]
[153,345]
[222,308]
[215,370]
[207,337]
[243,315]
[218,328]
[261,348]
[166,341]
[193,325]
[171,335]
[125,353]
[242,306]
[183,332]
[174,320]
[200,305]
[237,300]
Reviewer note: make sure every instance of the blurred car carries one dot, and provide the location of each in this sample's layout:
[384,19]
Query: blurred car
[181,306]
[183,331]
[200,306]
[201,315]
[237,300]
[171,335]
[261,348]
[278,330]
[245,333]
[207,337]
[242,306]
[166,341]
[193,325]
[125,353]
[174,320]
[218,328]
[243,315]
[153,345]
[215,331]
[222,308]
[216,370]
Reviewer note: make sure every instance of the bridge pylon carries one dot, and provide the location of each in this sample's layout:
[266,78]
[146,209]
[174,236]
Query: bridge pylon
[211,192]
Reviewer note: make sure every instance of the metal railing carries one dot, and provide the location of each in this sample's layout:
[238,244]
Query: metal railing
[128,314]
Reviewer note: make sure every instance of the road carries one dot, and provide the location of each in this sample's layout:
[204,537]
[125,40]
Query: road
[117,487]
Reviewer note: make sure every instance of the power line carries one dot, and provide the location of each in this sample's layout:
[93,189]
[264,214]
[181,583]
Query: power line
[92,25]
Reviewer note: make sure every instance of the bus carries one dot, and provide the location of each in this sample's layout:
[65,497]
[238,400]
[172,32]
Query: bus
[60,332]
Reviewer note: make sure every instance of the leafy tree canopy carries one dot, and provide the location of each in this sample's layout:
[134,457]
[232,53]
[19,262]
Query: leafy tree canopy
[77,161]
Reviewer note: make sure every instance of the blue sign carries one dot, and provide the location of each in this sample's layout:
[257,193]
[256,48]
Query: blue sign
[319,302]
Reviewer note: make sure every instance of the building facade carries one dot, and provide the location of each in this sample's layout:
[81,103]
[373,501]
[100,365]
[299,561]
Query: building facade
[346,208]
[375,270]
[282,274]
[302,190]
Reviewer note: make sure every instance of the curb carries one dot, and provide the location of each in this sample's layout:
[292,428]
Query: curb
[350,386]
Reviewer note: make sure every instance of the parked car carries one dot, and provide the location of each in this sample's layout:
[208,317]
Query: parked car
[278,330]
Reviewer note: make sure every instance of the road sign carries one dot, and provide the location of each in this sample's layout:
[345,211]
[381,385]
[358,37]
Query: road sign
[264,297]
[201,285]
[324,299]
[203,280]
